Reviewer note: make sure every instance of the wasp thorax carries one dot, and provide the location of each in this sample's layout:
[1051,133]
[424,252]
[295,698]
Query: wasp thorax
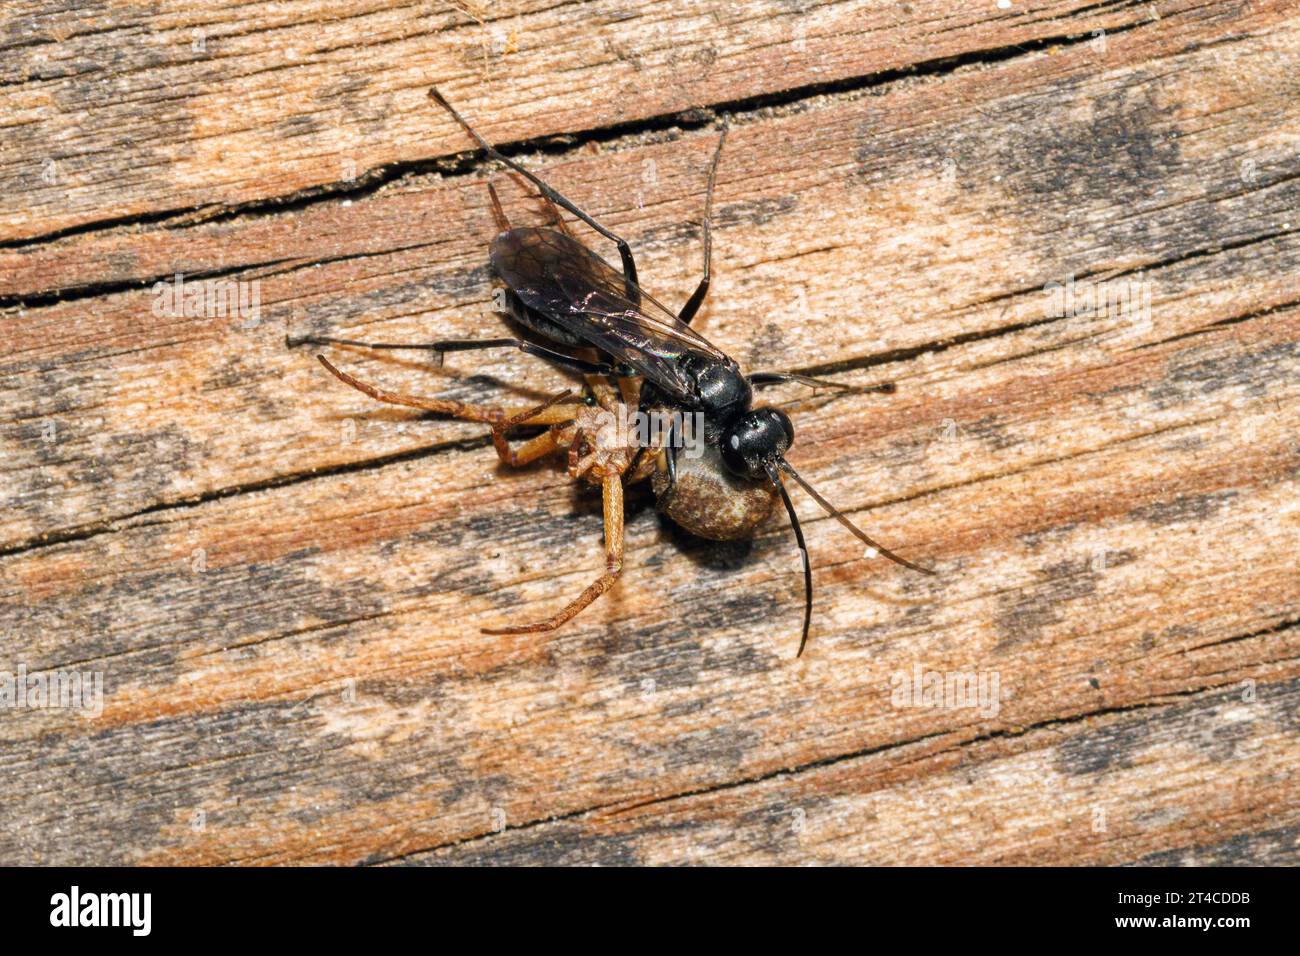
[723,391]
[756,439]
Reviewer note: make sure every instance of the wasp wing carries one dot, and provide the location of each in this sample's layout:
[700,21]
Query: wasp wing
[571,285]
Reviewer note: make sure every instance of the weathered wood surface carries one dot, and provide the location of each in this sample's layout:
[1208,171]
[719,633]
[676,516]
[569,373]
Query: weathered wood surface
[151,109]
[283,584]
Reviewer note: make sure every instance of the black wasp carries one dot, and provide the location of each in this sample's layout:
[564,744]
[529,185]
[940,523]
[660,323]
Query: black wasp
[634,352]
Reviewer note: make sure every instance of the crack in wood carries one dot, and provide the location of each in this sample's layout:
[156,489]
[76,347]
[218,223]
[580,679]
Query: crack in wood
[110,525]
[469,164]
[1154,703]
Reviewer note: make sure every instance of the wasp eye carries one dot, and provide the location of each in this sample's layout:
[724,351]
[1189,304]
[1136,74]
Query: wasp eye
[756,438]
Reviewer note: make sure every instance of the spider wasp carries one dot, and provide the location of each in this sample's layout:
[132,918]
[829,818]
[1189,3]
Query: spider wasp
[634,354]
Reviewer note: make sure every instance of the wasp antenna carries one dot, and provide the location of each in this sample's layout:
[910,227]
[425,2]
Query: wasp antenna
[775,476]
[834,512]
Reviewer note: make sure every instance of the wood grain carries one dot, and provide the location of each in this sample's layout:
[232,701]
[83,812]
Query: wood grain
[283,583]
[160,108]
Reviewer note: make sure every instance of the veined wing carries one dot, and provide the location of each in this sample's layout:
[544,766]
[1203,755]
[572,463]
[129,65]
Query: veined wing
[571,285]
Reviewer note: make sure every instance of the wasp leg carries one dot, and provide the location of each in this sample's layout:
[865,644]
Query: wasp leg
[498,213]
[697,298]
[670,456]
[613,500]
[563,359]
[624,250]
[643,466]
[554,210]
[552,415]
